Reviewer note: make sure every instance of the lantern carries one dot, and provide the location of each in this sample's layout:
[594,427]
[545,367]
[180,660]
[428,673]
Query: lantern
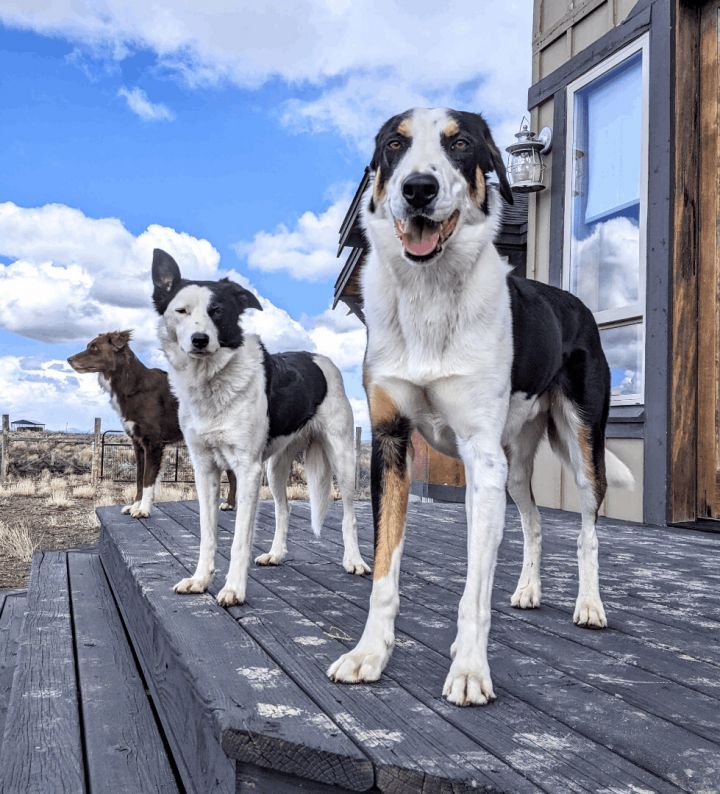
[525,167]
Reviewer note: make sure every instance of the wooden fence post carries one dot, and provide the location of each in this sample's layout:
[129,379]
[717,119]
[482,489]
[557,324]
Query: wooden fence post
[4,447]
[358,452]
[97,452]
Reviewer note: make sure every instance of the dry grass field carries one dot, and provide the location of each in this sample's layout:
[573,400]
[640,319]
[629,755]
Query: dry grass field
[48,501]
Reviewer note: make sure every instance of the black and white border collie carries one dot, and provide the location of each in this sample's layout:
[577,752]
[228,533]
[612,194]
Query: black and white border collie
[239,406]
[483,365]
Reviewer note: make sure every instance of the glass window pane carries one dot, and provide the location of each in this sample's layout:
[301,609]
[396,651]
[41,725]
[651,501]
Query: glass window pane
[623,349]
[605,199]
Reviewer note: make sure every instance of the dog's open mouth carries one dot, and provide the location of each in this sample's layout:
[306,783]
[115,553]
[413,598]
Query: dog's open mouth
[422,238]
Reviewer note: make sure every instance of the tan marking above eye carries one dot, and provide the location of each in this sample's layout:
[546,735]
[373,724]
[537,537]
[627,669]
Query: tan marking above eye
[451,129]
[405,128]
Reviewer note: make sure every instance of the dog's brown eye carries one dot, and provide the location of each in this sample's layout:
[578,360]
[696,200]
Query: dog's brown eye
[394,144]
[461,144]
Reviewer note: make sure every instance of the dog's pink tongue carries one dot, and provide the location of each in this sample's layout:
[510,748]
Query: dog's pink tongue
[421,244]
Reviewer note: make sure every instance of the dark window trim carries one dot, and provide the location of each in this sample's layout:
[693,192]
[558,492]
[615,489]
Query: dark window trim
[652,423]
[636,23]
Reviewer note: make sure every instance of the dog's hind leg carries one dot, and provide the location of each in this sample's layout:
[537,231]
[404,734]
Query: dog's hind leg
[139,471]
[207,483]
[583,441]
[248,473]
[153,461]
[279,467]
[229,503]
[340,451]
[521,456]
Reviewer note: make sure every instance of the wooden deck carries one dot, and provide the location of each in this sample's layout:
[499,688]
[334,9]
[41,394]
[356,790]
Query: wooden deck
[240,701]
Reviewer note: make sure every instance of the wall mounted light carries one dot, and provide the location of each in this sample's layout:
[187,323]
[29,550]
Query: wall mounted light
[525,167]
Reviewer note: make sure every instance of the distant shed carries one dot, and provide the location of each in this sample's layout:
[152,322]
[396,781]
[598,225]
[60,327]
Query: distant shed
[26,424]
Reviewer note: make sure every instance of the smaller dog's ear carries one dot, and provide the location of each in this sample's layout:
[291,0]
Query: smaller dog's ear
[165,276]
[120,339]
[499,168]
[244,298]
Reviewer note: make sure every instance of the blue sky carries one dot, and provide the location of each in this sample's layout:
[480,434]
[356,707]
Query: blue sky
[234,138]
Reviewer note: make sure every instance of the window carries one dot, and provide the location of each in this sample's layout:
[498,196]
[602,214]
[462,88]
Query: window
[606,207]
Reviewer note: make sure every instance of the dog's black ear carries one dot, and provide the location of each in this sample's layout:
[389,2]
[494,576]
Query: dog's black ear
[166,276]
[243,297]
[498,167]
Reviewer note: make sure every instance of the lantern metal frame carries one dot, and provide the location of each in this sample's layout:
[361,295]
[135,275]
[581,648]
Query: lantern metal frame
[525,166]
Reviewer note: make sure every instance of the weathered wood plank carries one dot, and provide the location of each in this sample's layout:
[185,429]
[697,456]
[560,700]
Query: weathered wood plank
[192,649]
[11,620]
[537,743]
[42,744]
[422,755]
[123,747]
[672,700]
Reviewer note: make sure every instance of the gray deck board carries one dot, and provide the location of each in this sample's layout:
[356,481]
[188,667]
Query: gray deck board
[425,754]
[12,613]
[42,747]
[192,650]
[122,744]
[533,741]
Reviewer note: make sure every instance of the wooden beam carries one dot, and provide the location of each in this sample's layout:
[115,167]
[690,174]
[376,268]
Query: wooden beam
[682,475]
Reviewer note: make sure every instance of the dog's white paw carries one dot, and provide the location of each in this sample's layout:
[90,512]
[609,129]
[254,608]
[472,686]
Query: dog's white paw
[270,558]
[468,685]
[140,511]
[589,612]
[356,565]
[359,665]
[526,596]
[190,585]
[230,597]
[126,509]
[226,506]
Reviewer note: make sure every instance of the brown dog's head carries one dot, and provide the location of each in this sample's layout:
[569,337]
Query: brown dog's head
[102,353]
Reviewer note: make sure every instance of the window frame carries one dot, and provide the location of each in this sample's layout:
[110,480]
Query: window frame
[635,313]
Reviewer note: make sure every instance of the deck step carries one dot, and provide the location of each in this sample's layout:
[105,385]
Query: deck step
[78,717]
[12,613]
[227,732]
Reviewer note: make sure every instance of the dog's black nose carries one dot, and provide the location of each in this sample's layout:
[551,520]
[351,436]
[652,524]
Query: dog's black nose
[420,189]
[200,341]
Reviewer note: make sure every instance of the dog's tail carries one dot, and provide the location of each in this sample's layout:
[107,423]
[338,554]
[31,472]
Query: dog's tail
[617,473]
[319,480]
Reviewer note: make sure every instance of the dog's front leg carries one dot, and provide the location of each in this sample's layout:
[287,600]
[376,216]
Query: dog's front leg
[248,485]
[139,473]
[390,486]
[207,483]
[469,681]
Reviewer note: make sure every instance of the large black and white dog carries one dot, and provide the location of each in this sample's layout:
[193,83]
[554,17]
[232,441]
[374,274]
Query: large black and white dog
[482,364]
[239,406]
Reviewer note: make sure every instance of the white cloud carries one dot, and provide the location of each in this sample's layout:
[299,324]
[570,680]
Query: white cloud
[49,391]
[364,61]
[307,251]
[137,100]
[73,277]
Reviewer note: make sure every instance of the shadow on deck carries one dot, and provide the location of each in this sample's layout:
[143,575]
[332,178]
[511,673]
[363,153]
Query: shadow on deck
[240,701]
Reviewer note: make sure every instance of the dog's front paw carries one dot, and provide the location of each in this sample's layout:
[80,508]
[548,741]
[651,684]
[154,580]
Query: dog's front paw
[527,595]
[226,506]
[589,612]
[230,597]
[468,685]
[356,565]
[138,511]
[126,509]
[190,585]
[359,665]
[270,558]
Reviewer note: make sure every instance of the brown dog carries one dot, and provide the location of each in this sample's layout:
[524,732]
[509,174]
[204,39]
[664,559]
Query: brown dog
[146,406]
